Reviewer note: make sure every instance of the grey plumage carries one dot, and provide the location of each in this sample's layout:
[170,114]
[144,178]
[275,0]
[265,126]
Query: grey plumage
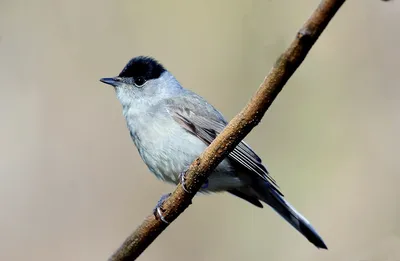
[171,126]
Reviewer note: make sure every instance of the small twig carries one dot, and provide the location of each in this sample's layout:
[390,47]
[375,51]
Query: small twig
[236,130]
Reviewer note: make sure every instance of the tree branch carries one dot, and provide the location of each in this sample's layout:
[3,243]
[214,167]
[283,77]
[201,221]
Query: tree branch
[234,132]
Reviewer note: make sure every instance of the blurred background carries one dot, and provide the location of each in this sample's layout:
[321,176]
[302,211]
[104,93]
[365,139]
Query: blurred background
[73,187]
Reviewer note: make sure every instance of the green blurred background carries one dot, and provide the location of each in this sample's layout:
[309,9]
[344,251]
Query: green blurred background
[72,185]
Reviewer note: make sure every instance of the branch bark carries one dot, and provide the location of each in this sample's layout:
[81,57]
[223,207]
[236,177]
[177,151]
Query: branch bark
[234,132]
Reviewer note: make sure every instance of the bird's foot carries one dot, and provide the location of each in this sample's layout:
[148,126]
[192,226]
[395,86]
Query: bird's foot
[158,211]
[182,178]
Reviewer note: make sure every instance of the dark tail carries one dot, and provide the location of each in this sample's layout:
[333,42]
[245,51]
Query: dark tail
[280,205]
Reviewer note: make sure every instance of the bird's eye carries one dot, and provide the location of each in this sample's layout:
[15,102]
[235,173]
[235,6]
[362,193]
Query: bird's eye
[139,81]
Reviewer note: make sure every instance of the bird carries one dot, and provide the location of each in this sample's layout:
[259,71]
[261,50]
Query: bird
[171,126]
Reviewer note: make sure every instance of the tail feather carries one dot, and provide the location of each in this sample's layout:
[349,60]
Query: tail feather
[290,214]
[245,193]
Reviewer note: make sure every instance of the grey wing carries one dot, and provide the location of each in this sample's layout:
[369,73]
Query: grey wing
[207,124]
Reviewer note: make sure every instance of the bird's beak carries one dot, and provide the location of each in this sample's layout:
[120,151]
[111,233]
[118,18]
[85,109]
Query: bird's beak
[111,81]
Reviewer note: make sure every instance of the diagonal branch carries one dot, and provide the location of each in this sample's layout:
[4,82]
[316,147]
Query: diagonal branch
[234,132]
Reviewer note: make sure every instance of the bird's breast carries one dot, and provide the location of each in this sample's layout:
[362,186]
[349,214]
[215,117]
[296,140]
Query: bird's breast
[168,150]
[165,147]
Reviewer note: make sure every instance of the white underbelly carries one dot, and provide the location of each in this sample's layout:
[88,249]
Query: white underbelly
[169,151]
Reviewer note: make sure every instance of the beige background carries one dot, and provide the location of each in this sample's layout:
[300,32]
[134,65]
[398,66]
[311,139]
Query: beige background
[72,185]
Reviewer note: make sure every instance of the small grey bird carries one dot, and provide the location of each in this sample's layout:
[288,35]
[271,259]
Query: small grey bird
[171,126]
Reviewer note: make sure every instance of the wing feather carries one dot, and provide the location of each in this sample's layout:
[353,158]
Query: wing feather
[207,128]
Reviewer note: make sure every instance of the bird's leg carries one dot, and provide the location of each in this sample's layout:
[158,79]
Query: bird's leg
[158,210]
[182,177]
[205,185]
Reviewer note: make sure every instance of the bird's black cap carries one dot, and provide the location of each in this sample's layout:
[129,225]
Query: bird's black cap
[143,66]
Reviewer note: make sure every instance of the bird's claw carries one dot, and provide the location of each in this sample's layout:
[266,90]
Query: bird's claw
[182,178]
[157,211]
